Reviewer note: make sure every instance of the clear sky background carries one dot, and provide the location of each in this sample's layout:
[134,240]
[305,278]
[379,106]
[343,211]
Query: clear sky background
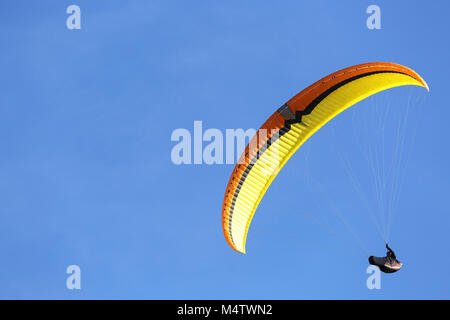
[86,176]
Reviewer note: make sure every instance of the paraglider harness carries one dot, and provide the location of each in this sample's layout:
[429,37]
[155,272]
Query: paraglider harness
[388,264]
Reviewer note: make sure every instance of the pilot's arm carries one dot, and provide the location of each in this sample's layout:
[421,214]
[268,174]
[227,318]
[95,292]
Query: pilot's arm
[390,252]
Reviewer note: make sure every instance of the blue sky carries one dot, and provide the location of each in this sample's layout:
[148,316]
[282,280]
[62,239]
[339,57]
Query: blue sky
[86,176]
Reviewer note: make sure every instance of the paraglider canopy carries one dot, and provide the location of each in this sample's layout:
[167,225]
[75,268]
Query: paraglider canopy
[289,127]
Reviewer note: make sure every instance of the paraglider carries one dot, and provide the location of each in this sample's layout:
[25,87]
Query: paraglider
[289,127]
[388,264]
